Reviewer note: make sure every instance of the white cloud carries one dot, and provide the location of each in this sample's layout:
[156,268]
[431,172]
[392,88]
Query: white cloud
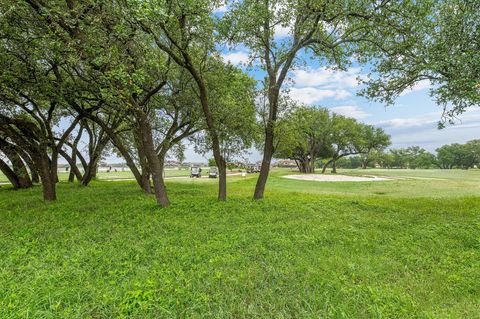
[407,122]
[428,120]
[314,85]
[350,111]
[281,32]
[326,78]
[236,57]
[421,85]
[471,118]
[311,95]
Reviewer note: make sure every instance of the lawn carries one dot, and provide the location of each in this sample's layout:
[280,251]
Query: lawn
[406,248]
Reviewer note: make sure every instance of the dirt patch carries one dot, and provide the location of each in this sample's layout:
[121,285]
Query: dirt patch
[336,178]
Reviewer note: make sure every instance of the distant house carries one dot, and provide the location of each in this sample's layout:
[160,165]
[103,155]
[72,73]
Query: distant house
[286,163]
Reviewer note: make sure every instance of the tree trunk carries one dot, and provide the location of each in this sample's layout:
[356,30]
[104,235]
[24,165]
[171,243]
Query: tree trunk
[47,178]
[334,166]
[268,149]
[267,159]
[91,169]
[73,167]
[31,166]
[10,174]
[222,182]
[120,147]
[88,175]
[153,161]
[142,159]
[310,167]
[34,173]
[18,166]
[326,165]
[216,149]
[301,167]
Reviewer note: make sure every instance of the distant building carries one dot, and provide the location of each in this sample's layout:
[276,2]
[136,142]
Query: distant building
[285,163]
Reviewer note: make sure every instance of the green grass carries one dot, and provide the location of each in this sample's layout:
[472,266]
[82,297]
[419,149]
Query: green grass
[308,250]
[431,183]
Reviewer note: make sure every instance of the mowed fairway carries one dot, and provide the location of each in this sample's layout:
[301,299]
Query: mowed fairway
[404,248]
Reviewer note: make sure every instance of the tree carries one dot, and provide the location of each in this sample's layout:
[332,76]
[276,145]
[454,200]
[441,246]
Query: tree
[232,97]
[330,30]
[185,31]
[411,157]
[32,102]
[373,139]
[462,156]
[345,139]
[130,77]
[97,141]
[304,137]
[442,52]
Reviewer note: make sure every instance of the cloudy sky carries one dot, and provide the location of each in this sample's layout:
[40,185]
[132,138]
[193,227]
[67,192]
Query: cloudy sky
[411,121]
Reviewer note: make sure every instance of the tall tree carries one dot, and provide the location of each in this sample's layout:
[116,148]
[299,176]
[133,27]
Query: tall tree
[185,30]
[232,97]
[328,30]
[443,51]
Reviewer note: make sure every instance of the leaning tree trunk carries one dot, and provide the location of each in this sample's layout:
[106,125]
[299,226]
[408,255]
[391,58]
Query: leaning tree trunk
[18,166]
[142,159]
[326,165]
[31,167]
[22,173]
[114,138]
[73,166]
[91,169]
[10,174]
[71,175]
[266,161]
[217,153]
[153,161]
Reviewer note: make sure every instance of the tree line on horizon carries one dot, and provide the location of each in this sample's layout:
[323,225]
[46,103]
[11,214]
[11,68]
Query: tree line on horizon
[448,156]
[139,78]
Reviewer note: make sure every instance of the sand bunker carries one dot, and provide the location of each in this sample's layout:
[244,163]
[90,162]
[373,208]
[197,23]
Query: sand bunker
[336,178]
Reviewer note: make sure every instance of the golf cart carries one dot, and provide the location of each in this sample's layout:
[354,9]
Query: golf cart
[195,172]
[253,169]
[213,172]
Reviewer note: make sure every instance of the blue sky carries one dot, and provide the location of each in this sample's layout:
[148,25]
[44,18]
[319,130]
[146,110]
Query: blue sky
[412,120]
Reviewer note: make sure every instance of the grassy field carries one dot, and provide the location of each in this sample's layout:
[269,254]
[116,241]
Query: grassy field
[404,248]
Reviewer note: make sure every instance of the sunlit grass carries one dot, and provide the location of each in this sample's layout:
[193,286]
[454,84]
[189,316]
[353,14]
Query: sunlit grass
[308,249]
